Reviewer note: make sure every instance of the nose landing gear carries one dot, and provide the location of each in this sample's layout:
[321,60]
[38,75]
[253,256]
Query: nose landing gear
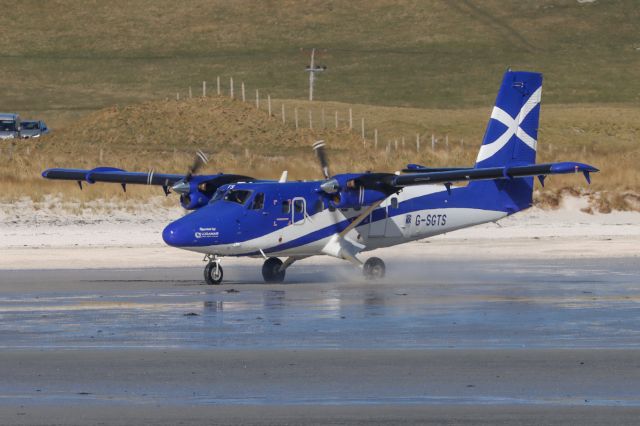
[213,271]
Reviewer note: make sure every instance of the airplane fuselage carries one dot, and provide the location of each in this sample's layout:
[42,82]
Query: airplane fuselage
[293,220]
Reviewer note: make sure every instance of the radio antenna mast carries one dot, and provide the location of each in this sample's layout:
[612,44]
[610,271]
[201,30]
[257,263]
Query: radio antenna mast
[312,69]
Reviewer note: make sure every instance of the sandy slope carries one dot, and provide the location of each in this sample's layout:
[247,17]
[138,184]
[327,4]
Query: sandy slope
[104,235]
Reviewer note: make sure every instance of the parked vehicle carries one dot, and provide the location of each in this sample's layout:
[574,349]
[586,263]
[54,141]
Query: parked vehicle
[9,126]
[33,129]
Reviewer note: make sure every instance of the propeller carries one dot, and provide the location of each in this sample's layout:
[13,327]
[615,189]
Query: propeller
[182,186]
[200,160]
[318,147]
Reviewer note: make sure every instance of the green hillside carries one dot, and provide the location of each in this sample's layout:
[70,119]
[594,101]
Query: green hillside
[64,58]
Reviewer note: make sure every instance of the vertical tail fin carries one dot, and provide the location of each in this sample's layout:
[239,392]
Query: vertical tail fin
[511,139]
[512,132]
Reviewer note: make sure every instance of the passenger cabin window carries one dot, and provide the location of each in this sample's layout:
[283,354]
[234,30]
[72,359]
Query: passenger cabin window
[286,206]
[298,206]
[239,196]
[258,201]
[394,202]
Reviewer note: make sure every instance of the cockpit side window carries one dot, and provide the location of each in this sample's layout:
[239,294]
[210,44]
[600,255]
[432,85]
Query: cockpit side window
[298,206]
[258,201]
[239,196]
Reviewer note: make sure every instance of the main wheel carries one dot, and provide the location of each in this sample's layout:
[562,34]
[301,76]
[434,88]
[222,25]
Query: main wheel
[271,270]
[373,268]
[213,273]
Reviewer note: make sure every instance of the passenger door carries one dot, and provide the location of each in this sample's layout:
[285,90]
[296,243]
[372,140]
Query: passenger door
[298,211]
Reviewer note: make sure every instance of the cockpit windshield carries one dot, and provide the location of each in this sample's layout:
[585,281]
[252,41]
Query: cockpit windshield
[239,196]
[218,195]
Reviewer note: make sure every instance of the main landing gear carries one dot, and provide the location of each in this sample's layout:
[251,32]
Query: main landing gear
[373,268]
[272,270]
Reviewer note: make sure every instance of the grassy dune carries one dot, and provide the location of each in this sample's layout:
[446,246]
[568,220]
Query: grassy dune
[105,76]
[163,135]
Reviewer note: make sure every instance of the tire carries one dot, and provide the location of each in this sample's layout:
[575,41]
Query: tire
[213,273]
[374,268]
[271,272]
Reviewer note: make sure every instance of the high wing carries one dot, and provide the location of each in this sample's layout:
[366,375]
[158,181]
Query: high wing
[195,190]
[113,175]
[427,176]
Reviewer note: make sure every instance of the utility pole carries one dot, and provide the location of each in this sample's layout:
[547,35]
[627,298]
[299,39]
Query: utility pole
[312,69]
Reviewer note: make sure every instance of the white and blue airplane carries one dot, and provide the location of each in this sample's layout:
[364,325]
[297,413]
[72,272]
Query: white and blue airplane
[345,215]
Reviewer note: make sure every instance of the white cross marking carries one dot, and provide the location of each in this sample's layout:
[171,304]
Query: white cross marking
[513,127]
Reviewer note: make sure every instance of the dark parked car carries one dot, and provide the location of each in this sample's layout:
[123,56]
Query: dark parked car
[9,126]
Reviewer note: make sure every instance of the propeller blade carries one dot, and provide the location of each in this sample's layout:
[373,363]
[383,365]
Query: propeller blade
[200,160]
[318,147]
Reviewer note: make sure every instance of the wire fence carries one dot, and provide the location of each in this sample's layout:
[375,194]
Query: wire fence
[320,118]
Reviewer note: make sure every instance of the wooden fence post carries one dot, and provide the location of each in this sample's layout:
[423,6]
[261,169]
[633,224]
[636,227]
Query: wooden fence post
[283,120]
[295,113]
[433,142]
[257,99]
[204,89]
[418,142]
[362,130]
[242,87]
[190,92]
[336,119]
[231,87]
[218,84]
[375,138]
[269,104]
[350,119]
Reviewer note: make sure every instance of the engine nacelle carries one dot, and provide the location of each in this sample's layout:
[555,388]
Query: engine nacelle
[193,200]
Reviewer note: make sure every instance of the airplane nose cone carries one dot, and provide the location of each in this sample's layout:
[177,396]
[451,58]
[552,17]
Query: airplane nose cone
[176,235]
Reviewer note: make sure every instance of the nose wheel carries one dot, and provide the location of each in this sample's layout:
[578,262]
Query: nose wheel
[213,273]
[373,268]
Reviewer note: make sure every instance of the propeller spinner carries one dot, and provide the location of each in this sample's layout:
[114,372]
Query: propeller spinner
[182,186]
